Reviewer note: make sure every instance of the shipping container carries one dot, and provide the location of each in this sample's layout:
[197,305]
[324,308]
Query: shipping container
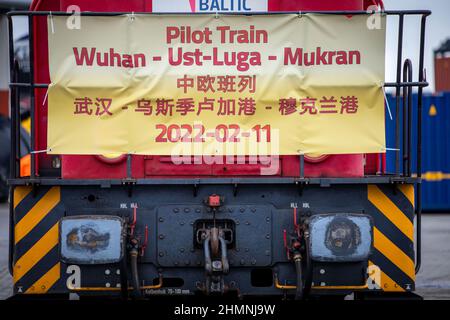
[435,148]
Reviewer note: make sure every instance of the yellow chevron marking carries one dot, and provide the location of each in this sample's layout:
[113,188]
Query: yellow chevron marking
[46,281]
[393,253]
[36,253]
[36,214]
[19,194]
[408,191]
[390,210]
[384,281]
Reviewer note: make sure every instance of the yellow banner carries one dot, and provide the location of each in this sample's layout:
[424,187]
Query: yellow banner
[205,84]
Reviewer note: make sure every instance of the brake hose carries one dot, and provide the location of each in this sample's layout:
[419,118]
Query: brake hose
[298,270]
[134,272]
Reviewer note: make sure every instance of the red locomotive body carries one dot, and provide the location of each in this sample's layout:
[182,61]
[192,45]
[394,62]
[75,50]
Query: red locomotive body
[99,167]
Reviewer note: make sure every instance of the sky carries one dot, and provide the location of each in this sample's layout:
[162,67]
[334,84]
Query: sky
[438,30]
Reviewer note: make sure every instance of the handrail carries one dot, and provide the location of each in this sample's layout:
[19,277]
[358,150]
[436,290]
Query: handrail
[92,13]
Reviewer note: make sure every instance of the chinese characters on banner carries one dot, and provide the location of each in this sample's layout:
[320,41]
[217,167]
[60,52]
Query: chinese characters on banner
[228,84]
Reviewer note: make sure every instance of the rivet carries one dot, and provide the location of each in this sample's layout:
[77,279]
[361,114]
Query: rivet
[267,236]
[230,209]
[242,261]
[107,271]
[323,284]
[161,219]
[197,210]
[107,284]
[253,209]
[181,249]
[181,223]
[118,271]
[176,210]
[187,210]
[242,210]
[175,263]
[322,271]
[267,253]
[118,285]
[247,223]
[161,236]
[161,254]
[253,262]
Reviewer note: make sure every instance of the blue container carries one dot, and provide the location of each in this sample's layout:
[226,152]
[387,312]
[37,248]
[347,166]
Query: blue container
[435,148]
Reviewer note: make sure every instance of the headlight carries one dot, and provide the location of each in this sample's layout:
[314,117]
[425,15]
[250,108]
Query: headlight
[340,237]
[91,239]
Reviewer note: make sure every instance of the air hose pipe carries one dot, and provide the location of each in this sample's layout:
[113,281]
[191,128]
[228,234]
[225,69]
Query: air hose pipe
[298,270]
[134,272]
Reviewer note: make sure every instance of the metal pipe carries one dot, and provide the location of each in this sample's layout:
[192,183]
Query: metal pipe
[12,173]
[156,286]
[63,13]
[134,272]
[29,85]
[397,95]
[387,84]
[13,146]
[406,84]
[11,231]
[299,276]
[407,118]
[407,92]
[280,286]
[419,149]
[17,125]
[32,98]
[308,268]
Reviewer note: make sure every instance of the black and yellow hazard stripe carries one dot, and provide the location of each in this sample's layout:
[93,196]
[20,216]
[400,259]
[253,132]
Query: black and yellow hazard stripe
[392,208]
[36,236]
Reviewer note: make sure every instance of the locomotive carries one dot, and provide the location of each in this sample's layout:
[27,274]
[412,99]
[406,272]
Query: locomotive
[141,226]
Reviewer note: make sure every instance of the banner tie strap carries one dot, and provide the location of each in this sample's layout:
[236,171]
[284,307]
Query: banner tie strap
[387,103]
[51,22]
[41,151]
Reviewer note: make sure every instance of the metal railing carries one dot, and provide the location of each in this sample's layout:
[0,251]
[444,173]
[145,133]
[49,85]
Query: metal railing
[406,85]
